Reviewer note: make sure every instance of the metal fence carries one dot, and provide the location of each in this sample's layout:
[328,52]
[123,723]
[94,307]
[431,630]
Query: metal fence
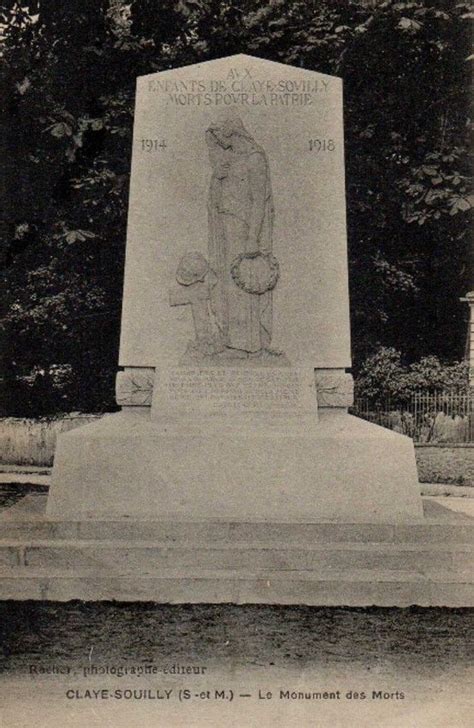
[441,417]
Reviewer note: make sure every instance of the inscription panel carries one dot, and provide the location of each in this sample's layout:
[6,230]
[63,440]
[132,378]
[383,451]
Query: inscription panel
[239,86]
[226,390]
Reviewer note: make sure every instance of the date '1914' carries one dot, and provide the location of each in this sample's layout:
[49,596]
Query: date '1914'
[153,145]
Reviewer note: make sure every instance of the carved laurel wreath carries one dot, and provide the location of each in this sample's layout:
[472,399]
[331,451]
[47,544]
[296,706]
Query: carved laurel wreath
[254,278]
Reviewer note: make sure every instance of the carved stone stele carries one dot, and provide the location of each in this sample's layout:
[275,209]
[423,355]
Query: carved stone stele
[134,387]
[334,388]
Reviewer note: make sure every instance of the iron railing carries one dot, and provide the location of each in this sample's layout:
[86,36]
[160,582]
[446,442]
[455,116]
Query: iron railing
[439,417]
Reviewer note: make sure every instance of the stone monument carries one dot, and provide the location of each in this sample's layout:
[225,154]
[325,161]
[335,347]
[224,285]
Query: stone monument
[235,341]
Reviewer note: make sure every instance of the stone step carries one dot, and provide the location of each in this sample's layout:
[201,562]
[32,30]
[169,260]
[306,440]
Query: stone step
[321,587]
[428,532]
[129,557]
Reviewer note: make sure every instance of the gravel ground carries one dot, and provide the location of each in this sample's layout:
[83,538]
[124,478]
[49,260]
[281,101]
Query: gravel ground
[413,638]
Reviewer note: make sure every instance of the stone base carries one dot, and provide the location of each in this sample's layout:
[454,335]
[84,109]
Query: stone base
[428,563]
[338,469]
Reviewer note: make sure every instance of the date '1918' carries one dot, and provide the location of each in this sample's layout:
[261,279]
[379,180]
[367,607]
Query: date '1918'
[153,145]
[322,145]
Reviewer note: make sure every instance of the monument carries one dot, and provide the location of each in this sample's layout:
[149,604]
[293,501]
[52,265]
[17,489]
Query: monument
[233,472]
[235,341]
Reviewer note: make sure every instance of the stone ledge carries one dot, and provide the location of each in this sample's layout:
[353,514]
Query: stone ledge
[228,587]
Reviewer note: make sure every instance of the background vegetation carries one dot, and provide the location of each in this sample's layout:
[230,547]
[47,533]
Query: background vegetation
[68,77]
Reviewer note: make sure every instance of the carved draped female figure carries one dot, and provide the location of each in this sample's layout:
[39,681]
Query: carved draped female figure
[240,213]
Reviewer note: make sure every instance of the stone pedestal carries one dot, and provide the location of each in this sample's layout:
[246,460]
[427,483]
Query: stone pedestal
[338,469]
[426,562]
[237,444]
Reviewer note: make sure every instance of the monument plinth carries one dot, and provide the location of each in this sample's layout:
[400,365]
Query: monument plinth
[235,339]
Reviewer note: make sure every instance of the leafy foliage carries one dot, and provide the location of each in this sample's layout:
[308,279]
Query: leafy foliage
[68,75]
[384,376]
